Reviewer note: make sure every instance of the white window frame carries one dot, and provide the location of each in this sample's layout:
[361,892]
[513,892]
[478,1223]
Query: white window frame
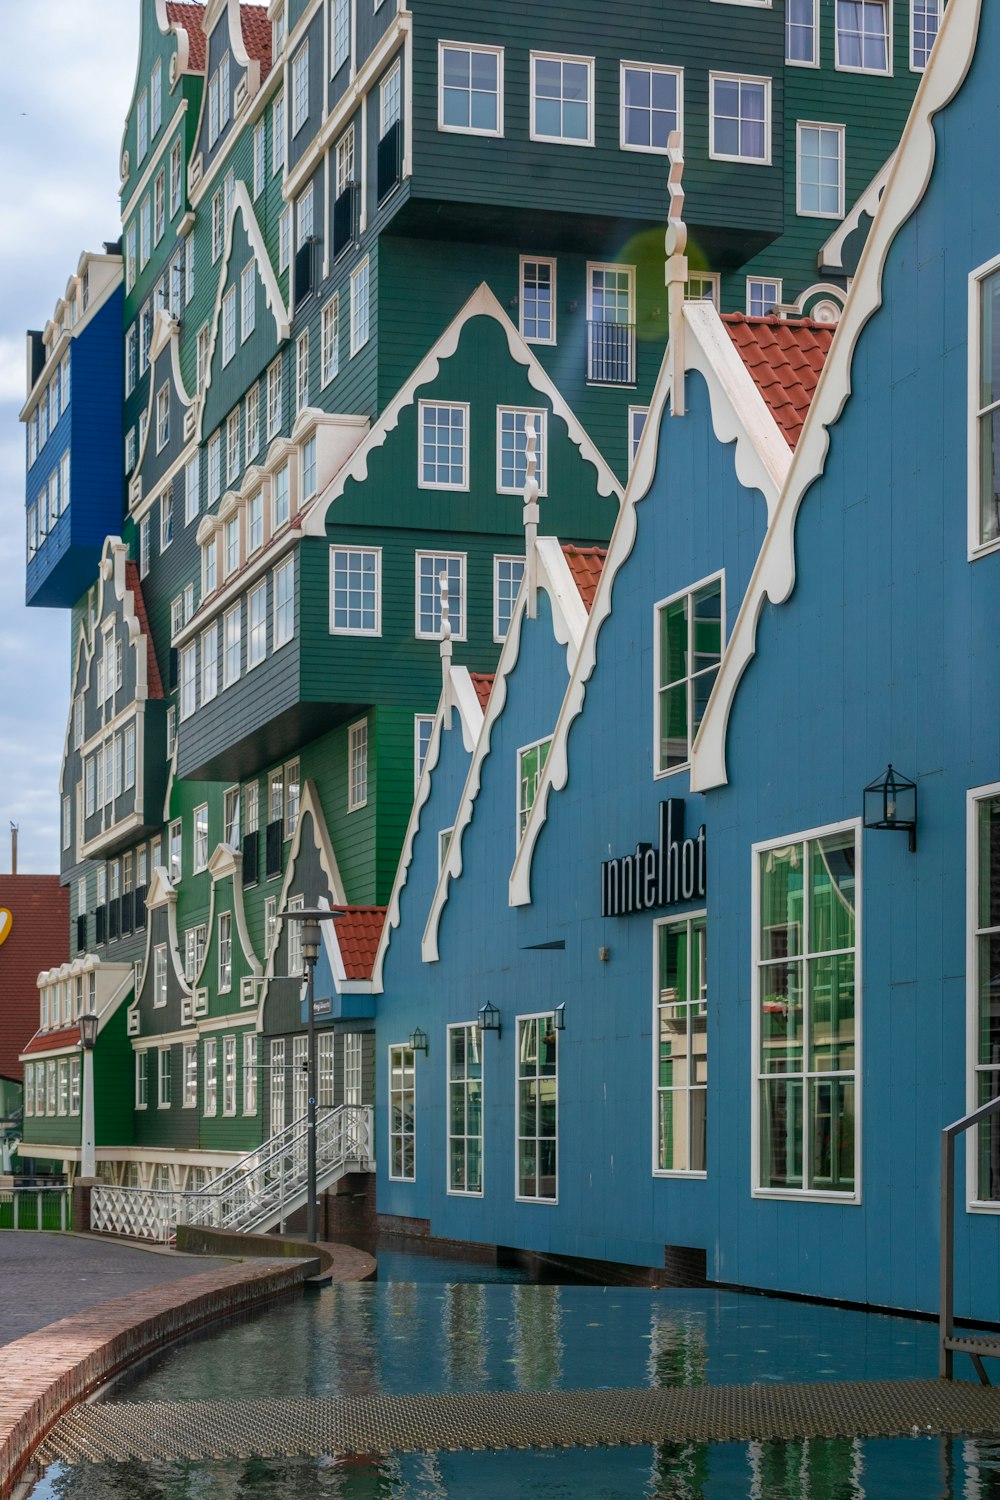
[648,67]
[141,1080]
[750,78]
[885,72]
[503,557]
[225,980]
[259,157]
[841,132]
[435,635]
[159,976]
[773,281]
[470,129]
[210,1077]
[685,918]
[975,795]
[229,1076]
[361,269]
[281,638]
[563,57]
[537,260]
[521,812]
[339,552]
[405,1068]
[329,364]
[199,854]
[806,1195]
[419,759]
[473,1028]
[163,1076]
[796,62]
[976,546]
[357,742]
[633,442]
[541,416]
[189,1081]
[298,70]
[518,1196]
[688,592]
[916,67]
[256,655]
[426,484]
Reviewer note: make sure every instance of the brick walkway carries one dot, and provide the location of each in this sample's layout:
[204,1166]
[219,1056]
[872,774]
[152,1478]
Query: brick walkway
[50,1276]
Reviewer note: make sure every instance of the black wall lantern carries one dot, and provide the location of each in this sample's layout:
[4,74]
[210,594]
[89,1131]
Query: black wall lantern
[88,1032]
[891,802]
[489,1019]
[418,1041]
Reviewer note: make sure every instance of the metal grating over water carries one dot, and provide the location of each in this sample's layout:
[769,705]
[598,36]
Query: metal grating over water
[200,1430]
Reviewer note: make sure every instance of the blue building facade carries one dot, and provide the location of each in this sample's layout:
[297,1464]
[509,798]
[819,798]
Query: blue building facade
[73,416]
[732,1020]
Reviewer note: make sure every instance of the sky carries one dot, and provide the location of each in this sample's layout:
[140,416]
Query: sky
[67,85]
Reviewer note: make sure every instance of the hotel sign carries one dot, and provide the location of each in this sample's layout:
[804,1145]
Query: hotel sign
[650,878]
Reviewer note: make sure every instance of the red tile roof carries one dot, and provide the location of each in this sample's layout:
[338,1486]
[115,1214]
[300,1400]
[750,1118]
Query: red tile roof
[257,35]
[483,684]
[49,1041]
[38,939]
[358,931]
[189,15]
[153,682]
[785,358]
[586,565]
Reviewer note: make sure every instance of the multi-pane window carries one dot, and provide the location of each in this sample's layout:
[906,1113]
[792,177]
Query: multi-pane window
[293,789]
[985,334]
[163,1078]
[802,32]
[155,98]
[465,1109]
[285,238]
[740,124]
[228,1075]
[341,33]
[229,325]
[284,604]
[507,575]
[423,728]
[255,522]
[681,1047]
[249,1075]
[985,979]
[651,106]
[636,426]
[274,398]
[562,99]
[214,467]
[160,975]
[444,446]
[176,849]
[806,999]
[141,1081]
[251,421]
[166,519]
[162,417]
[329,341]
[218,225]
[159,205]
[259,157]
[305,207]
[530,765]
[389,101]
[470,90]
[231,546]
[763,296]
[611,324]
[190,1070]
[296,967]
[689,650]
[231,817]
[211,1075]
[225,951]
[144,233]
[302,371]
[538,300]
[359,306]
[863,35]
[278,134]
[189,680]
[142,125]
[200,855]
[925,19]
[430,567]
[355,590]
[248,300]
[194,951]
[233,644]
[270,922]
[512,449]
[192,487]
[820,174]
[537,1108]
[353,1042]
[402,1114]
[277,1103]
[357,766]
[345,161]
[300,88]
[209,662]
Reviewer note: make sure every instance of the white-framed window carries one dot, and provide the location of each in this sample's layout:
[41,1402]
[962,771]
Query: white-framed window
[530,765]
[189,680]
[512,448]
[141,1081]
[229,325]
[270,922]
[689,638]
[429,567]
[537,1123]
[636,426]
[194,951]
[652,105]
[537,301]
[355,590]
[192,487]
[230,545]
[353,1044]
[285,238]
[201,357]
[190,1074]
[283,625]
[611,323]
[302,371]
[160,975]
[357,764]
[277,1100]
[444,844]
[248,300]
[329,341]
[231,817]
[423,728]
[819,170]
[278,134]
[166,519]
[233,645]
[67,823]
[763,296]
[142,125]
[274,400]
[984,408]
[806,1013]
[251,421]
[225,951]
[680,1066]
[507,575]
[256,626]
[175,846]
[159,205]
[145,233]
[802,33]
[228,1075]
[162,416]
[255,522]
[740,118]
[562,99]
[983,864]
[444,445]
[341,38]
[296,966]
[163,1078]
[211,1075]
[864,36]
[214,466]
[300,87]
[389,100]
[925,20]
[304,206]
[200,856]
[360,328]
[74,1085]
[218,225]
[470,89]
[128,757]
[171,730]
[293,794]
[233,446]
[344,157]
[63,1075]
[249,1074]
[465,1109]
[402,1115]
[259,156]
[209,566]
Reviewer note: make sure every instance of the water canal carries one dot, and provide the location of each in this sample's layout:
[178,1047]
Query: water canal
[430,1326]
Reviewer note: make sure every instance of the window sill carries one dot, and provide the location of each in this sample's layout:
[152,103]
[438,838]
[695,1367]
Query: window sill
[679,1174]
[806,1195]
[538,1202]
[468,1193]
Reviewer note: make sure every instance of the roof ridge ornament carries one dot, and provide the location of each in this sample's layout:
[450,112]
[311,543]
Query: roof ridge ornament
[531,513]
[676,276]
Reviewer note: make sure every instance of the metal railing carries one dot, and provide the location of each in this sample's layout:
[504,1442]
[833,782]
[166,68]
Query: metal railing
[35,1208]
[611,353]
[947,1343]
[256,1192]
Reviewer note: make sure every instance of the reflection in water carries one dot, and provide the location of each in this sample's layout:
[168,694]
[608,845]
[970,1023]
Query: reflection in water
[536,1337]
[464,1333]
[678,1348]
[819,1469]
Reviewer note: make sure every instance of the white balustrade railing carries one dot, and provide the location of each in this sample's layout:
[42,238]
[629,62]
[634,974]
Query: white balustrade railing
[254,1193]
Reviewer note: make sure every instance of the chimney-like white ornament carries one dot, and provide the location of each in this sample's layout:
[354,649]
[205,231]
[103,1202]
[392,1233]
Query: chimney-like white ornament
[531,514]
[446,648]
[676,271]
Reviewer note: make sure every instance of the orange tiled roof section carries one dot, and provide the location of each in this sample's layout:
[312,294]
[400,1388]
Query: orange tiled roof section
[358,931]
[586,565]
[49,1041]
[153,682]
[483,684]
[257,36]
[785,358]
[189,15]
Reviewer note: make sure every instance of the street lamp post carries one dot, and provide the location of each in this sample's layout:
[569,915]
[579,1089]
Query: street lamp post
[310,919]
[88,1040]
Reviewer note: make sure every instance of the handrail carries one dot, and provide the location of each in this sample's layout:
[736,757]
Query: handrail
[946,1315]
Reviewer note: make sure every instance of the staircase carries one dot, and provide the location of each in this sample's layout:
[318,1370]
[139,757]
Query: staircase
[257,1193]
[978,1346]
